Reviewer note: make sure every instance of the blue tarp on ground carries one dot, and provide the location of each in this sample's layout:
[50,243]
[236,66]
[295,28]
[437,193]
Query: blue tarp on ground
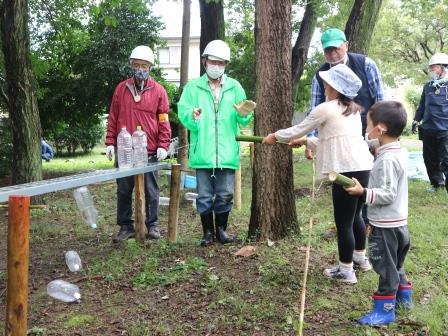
[416,167]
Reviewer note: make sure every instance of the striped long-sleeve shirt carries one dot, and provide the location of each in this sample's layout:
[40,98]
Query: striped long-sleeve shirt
[387,193]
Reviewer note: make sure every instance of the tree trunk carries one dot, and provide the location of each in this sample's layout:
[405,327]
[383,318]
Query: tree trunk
[300,50]
[212,23]
[273,205]
[182,154]
[361,24]
[22,103]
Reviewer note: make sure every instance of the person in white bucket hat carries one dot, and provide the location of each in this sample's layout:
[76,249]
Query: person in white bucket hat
[340,148]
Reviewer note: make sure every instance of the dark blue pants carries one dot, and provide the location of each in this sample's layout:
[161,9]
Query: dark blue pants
[435,155]
[125,188]
[215,190]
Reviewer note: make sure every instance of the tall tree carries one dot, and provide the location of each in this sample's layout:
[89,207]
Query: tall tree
[361,24]
[21,99]
[273,204]
[212,23]
[302,44]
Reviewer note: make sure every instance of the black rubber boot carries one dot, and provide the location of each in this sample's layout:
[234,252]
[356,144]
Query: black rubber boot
[221,226]
[207,229]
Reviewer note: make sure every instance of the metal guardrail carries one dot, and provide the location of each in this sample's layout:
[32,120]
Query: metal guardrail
[77,180]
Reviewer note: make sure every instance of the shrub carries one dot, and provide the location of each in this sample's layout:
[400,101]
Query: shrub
[71,138]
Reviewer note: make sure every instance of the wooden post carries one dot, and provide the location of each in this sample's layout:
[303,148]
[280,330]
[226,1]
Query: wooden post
[18,260]
[173,215]
[140,227]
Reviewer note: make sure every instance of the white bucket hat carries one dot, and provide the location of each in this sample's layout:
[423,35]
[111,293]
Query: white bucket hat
[342,79]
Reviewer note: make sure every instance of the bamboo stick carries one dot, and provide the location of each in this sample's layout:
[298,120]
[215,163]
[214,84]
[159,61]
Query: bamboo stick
[340,179]
[249,138]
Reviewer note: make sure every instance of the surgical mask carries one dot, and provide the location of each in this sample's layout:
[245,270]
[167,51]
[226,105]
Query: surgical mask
[372,143]
[433,75]
[141,74]
[215,71]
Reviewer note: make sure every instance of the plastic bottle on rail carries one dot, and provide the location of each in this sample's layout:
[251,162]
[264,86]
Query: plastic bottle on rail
[73,261]
[63,291]
[84,201]
[124,149]
[139,144]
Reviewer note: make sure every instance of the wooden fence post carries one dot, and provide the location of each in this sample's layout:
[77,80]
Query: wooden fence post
[18,261]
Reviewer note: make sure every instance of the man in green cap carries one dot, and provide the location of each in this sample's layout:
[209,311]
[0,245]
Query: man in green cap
[335,46]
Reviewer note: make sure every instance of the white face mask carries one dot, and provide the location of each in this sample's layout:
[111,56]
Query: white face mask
[215,71]
[372,143]
[433,75]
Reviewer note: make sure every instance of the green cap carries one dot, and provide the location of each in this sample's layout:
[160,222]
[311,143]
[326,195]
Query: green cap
[332,37]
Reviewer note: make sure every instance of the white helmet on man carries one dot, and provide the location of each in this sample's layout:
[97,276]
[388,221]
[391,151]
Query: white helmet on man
[217,50]
[142,53]
[438,58]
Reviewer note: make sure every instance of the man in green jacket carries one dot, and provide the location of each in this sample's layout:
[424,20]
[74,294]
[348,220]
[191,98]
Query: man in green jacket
[208,108]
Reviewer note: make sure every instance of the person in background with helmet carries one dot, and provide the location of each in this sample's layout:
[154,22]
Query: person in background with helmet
[211,107]
[432,112]
[139,101]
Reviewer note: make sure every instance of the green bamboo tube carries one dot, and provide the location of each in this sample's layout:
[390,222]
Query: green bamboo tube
[249,138]
[340,179]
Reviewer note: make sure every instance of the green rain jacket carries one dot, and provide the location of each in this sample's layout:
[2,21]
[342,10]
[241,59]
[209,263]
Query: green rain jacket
[212,136]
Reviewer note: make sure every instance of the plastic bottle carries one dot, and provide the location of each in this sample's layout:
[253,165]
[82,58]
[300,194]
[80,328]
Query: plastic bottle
[73,261]
[190,196]
[164,200]
[139,144]
[63,290]
[124,149]
[85,205]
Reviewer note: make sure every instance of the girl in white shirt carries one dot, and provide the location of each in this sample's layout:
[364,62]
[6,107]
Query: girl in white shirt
[341,148]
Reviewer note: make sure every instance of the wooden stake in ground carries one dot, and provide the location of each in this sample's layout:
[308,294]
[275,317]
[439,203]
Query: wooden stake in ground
[18,261]
[140,227]
[173,215]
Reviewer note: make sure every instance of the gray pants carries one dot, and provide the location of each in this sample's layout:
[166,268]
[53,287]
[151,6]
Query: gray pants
[125,187]
[387,250]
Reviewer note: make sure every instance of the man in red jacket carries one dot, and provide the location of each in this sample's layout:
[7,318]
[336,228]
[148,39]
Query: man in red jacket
[139,100]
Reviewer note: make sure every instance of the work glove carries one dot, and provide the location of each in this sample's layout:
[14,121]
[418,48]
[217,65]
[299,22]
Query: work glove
[414,127]
[161,154]
[245,107]
[110,152]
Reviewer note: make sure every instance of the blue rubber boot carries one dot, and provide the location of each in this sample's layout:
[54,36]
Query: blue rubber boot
[383,311]
[404,296]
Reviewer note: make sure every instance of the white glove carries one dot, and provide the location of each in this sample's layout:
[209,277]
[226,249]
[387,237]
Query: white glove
[161,154]
[110,152]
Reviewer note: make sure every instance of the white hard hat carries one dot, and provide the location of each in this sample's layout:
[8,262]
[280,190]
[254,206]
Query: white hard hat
[217,50]
[438,58]
[142,53]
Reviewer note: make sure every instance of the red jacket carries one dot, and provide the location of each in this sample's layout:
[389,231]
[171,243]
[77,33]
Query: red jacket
[151,112]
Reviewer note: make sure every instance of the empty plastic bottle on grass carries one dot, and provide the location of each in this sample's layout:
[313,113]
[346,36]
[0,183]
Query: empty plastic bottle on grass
[73,261]
[191,196]
[63,291]
[139,143]
[124,149]
[85,204]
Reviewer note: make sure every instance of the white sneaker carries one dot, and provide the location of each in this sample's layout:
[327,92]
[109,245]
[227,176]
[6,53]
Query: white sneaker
[337,273]
[362,263]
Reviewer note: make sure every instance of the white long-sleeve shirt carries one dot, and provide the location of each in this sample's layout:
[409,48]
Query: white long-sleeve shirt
[340,146]
[387,194]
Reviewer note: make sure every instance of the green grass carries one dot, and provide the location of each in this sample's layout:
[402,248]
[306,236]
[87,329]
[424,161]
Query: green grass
[182,289]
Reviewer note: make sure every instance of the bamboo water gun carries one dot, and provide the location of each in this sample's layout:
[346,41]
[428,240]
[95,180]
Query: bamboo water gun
[340,179]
